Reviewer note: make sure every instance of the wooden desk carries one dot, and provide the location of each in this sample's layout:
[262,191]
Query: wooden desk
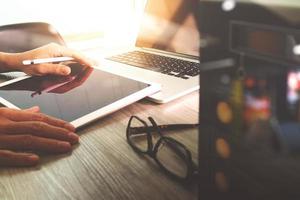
[103,165]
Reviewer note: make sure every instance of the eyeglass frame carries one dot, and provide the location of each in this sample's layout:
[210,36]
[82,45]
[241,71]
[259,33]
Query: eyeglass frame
[152,149]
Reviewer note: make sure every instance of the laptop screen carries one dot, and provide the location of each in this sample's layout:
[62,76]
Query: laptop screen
[169,25]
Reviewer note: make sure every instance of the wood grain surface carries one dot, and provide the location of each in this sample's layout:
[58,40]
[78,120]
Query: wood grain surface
[103,165]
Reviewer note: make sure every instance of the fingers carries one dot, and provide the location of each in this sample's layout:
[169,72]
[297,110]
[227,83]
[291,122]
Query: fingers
[59,50]
[33,143]
[64,51]
[47,69]
[41,129]
[19,115]
[9,158]
[34,109]
[46,51]
[29,130]
[80,58]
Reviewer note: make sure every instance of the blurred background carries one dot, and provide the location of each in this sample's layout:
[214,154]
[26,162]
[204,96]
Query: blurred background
[83,24]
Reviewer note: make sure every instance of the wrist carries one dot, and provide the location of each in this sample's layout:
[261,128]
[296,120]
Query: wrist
[9,62]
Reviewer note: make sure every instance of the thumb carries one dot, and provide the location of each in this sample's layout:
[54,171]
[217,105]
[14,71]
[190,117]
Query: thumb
[34,109]
[44,69]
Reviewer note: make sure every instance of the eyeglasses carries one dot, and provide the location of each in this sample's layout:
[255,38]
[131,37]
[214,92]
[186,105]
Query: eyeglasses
[171,156]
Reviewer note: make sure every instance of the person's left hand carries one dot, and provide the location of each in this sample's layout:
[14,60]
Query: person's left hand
[24,133]
[14,61]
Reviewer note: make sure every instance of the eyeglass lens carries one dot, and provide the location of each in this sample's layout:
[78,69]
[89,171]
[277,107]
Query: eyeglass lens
[171,157]
[169,154]
[138,140]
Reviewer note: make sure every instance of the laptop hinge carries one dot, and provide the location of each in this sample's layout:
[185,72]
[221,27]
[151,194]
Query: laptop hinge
[170,53]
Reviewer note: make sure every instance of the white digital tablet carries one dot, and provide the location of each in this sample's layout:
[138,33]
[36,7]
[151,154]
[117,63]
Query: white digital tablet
[79,98]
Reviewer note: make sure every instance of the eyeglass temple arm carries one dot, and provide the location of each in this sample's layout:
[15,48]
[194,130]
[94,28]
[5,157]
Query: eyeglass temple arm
[167,127]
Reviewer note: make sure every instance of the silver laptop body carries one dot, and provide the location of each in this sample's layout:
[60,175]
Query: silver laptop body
[169,36]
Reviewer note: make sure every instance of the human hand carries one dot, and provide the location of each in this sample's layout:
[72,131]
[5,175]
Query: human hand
[28,130]
[54,84]
[14,61]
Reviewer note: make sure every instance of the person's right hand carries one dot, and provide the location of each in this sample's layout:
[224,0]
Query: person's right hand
[13,61]
[26,132]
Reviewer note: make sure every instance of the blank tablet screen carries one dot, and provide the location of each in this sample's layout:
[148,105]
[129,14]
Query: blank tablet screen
[70,97]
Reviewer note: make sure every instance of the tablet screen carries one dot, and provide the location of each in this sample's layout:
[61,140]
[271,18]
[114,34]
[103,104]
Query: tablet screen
[70,97]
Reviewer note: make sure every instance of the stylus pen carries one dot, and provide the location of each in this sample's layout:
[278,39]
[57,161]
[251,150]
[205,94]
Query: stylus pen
[46,60]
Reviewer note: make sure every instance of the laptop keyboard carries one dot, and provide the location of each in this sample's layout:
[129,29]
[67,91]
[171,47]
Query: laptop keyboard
[166,65]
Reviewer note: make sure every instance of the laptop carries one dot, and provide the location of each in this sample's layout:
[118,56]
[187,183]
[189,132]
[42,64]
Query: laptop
[166,50]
